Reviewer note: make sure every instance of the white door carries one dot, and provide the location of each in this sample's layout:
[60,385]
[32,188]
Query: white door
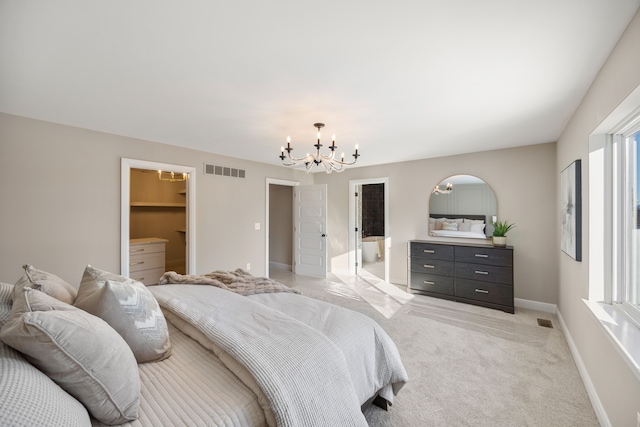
[310,234]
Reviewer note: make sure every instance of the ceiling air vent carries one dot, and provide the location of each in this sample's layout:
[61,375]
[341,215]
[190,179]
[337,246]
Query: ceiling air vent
[223,171]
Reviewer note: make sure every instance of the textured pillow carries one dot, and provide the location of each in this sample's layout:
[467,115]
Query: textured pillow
[77,350]
[450,226]
[130,309]
[45,282]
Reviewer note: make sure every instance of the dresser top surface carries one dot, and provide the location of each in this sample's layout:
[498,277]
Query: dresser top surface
[470,245]
[144,240]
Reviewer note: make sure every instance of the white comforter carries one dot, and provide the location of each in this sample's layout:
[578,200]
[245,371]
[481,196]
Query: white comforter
[315,370]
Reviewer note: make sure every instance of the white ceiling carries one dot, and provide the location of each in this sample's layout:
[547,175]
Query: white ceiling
[403,79]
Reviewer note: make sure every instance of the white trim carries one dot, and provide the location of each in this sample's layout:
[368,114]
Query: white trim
[601,414]
[352,224]
[125,178]
[279,265]
[266,216]
[535,305]
[622,332]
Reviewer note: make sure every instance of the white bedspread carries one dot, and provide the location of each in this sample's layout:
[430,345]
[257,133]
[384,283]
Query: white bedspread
[291,362]
[371,355]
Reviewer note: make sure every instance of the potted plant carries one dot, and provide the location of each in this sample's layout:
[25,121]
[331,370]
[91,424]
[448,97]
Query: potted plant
[500,229]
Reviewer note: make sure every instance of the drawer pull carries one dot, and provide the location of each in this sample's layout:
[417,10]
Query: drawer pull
[137,263]
[426,282]
[136,250]
[482,291]
[429,266]
[482,255]
[429,251]
[482,272]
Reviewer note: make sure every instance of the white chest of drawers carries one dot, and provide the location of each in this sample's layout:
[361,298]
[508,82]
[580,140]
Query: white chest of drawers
[146,259]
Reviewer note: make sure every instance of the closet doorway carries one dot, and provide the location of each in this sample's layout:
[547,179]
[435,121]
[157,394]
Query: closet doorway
[158,227]
[369,236]
[279,225]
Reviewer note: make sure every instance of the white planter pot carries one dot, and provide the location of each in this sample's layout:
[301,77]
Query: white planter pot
[500,241]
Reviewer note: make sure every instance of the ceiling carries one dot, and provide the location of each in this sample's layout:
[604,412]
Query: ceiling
[405,79]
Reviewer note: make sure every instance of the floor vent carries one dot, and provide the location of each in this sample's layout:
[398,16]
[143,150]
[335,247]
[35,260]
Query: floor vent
[545,323]
[223,171]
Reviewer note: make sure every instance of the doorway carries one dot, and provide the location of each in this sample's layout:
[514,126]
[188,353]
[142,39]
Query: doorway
[279,224]
[306,232]
[369,236]
[157,212]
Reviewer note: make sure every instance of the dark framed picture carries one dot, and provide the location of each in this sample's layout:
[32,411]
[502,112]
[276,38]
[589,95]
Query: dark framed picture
[571,206]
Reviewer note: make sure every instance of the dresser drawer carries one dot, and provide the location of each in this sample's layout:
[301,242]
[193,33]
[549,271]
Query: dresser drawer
[148,277]
[484,291]
[487,256]
[432,283]
[432,266]
[146,261]
[431,251]
[484,273]
[146,248]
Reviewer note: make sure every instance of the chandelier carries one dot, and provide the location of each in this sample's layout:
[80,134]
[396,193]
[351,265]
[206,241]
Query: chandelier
[330,163]
[171,176]
[447,190]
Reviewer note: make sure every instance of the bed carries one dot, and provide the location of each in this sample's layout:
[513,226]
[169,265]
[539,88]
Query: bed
[471,226]
[238,357]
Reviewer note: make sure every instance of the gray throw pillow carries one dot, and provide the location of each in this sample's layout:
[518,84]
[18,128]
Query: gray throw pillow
[130,309]
[77,350]
[46,282]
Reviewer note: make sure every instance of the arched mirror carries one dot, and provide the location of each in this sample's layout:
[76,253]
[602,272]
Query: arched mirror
[462,206]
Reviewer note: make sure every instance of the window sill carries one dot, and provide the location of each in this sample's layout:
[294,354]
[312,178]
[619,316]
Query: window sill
[622,331]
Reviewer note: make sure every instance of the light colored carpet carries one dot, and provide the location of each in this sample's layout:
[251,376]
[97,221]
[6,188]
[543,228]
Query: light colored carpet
[467,366]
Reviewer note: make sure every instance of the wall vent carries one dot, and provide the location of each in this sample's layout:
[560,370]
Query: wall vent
[223,171]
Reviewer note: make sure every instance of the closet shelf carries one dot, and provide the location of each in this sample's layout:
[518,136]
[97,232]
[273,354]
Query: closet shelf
[159,204]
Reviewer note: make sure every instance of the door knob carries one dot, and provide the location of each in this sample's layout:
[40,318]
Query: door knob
[324,235]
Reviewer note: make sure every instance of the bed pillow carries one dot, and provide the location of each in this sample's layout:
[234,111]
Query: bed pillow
[450,226]
[477,228]
[77,350]
[130,309]
[464,226]
[46,282]
[47,403]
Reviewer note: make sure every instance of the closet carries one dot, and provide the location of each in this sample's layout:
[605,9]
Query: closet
[158,218]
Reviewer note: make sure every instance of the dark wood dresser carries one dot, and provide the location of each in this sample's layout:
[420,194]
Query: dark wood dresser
[474,274]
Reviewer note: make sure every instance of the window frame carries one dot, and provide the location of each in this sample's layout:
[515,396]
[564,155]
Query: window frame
[607,265]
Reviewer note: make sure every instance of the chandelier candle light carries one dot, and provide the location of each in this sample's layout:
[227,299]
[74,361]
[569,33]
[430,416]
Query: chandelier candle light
[437,190]
[329,162]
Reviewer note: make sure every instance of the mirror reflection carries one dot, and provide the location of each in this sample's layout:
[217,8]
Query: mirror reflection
[462,206]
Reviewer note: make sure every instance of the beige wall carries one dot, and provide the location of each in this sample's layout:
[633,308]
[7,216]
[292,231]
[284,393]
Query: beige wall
[60,192]
[521,179]
[617,387]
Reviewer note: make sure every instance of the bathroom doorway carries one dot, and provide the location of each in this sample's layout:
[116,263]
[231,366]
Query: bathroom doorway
[369,239]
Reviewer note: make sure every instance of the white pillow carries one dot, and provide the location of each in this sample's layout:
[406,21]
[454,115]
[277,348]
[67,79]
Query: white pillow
[77,350]
[477,228]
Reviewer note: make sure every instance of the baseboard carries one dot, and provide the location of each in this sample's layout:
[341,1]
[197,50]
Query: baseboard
[586,379]
[535,305]
[279,266]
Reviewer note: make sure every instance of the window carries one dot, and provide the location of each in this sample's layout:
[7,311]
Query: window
[614,228]
[626,289]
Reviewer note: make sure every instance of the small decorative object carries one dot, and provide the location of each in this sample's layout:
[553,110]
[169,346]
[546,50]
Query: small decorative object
[500,229]
[329,162]
[571,205]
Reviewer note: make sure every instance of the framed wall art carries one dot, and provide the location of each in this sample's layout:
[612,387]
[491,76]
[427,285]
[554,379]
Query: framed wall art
[571,210]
